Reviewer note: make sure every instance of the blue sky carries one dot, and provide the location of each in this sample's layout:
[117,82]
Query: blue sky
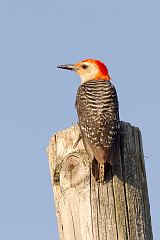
[37,99]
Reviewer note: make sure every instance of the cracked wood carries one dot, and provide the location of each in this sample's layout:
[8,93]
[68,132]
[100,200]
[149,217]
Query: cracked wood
[87,210]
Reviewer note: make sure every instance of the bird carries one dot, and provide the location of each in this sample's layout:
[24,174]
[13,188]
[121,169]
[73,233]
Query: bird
[98,113]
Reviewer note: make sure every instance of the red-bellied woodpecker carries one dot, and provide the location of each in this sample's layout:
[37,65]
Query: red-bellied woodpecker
[98,112]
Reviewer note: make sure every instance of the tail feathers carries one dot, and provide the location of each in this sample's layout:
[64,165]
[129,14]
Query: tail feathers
[101,173]
[98,171]
[100,157]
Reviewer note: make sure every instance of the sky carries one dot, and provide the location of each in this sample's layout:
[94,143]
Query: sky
[37,99]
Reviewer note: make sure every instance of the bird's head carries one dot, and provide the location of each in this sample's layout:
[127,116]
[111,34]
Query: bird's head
[89,69]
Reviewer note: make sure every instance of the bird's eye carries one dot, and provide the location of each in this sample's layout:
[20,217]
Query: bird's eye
[84,66]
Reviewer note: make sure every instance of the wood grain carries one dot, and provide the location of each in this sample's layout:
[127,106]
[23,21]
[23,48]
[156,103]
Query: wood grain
[87,210]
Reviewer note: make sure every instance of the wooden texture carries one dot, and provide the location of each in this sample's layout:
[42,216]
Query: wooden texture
[87,210]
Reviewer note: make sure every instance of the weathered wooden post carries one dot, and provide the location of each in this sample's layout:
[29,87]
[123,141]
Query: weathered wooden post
[87,210]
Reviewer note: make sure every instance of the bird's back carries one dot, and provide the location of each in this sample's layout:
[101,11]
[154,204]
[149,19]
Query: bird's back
[98,113]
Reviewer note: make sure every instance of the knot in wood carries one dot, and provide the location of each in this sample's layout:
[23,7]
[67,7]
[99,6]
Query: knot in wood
[74,169]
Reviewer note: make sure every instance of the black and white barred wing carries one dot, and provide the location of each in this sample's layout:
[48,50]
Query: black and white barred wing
[97,108]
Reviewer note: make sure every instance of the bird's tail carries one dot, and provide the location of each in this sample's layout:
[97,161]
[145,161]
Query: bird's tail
[101,172]
[100,159]
[98,171]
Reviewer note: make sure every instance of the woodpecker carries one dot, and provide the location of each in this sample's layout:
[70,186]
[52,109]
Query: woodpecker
[98,112]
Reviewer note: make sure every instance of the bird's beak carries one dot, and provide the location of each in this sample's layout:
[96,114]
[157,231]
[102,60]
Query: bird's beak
[68,67]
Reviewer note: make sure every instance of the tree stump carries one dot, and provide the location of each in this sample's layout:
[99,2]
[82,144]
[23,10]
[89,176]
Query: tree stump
[87,210]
